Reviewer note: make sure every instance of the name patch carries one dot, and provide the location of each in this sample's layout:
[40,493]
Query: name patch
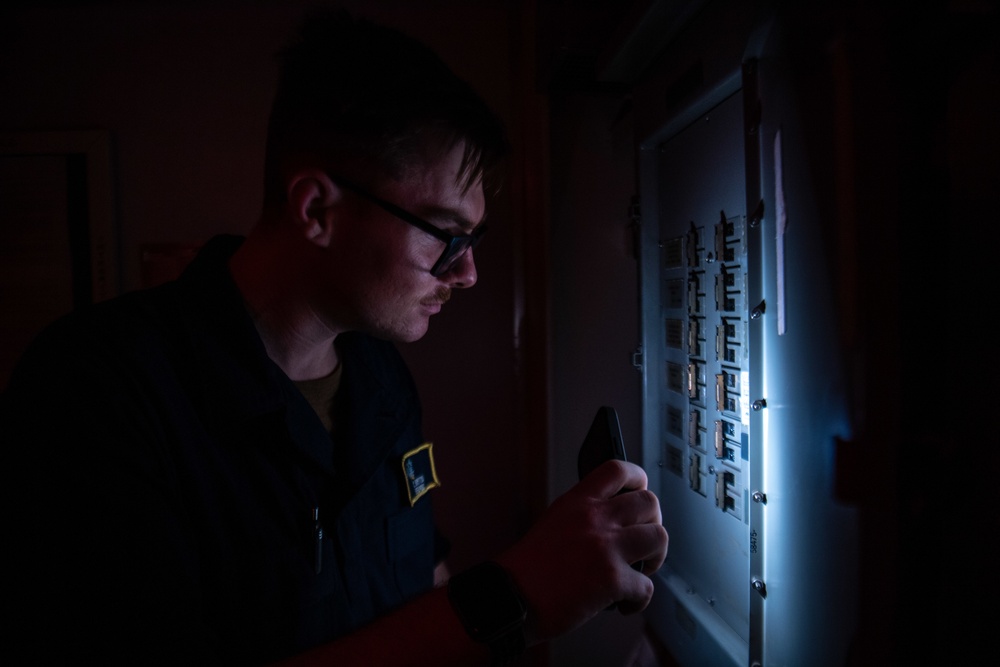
[419,472]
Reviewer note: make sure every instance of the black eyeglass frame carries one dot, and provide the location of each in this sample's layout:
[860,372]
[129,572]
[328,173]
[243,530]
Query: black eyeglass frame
[455,245]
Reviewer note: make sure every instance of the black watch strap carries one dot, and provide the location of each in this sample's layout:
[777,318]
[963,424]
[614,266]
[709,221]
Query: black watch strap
[491,609]
[507,647]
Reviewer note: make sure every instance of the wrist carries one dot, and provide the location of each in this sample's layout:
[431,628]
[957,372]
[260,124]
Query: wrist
[491,609]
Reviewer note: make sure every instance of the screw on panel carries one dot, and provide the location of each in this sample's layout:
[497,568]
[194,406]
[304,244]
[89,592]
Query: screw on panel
[758,310]
[759,405]
[759,497]
[759,586]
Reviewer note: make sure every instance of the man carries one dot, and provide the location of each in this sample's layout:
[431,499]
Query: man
[229,469]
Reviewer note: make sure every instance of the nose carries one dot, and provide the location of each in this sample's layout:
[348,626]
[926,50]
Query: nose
[463,273]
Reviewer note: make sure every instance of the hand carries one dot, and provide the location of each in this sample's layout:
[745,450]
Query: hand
[576,560]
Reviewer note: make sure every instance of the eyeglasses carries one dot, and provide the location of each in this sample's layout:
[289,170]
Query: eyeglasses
[455,246]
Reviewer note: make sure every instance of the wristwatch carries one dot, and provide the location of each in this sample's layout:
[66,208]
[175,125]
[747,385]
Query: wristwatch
[491,609]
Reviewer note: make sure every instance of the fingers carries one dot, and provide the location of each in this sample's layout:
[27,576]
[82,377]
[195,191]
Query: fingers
[644,544]
[633,520]
[634,507]
[641,542]
[577,559]
[612,477]
[634,514]
[628,607]
[639,600]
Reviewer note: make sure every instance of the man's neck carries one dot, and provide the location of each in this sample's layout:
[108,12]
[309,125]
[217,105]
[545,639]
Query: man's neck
[299,360]
[295,337]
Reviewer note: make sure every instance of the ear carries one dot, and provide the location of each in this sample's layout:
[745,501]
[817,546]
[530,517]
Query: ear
[311,194]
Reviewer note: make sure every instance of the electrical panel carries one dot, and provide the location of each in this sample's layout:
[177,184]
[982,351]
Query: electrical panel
[743,379]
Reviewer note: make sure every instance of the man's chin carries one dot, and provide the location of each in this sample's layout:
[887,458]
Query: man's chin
[407,335]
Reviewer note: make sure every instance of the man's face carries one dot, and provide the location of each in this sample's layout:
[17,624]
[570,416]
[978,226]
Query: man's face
[379,278]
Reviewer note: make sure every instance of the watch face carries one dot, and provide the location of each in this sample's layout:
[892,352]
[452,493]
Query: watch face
[502,609]
[487,601]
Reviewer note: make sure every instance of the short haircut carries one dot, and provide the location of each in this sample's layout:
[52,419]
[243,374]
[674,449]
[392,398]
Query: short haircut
[370,102]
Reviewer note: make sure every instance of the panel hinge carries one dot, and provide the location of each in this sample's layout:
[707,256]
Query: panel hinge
[634,210]
[637,360]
